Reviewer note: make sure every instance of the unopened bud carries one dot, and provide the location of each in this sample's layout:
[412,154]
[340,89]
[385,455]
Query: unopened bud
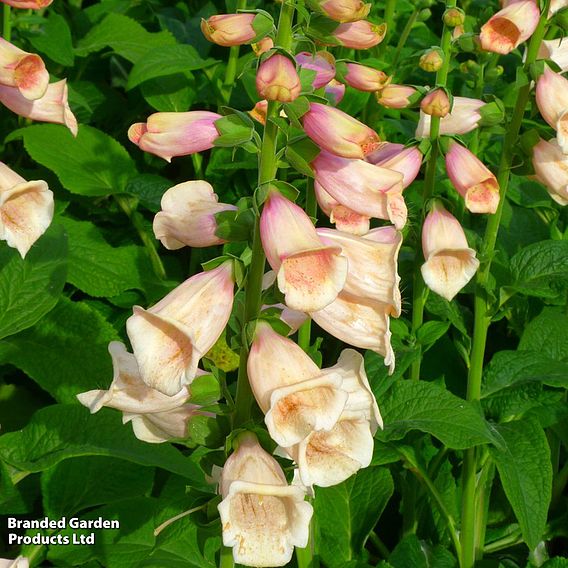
[424,15]
[494,73]
[468,42]
[432,60]
[264,45]
[436,103]
[454,17]
[277,79]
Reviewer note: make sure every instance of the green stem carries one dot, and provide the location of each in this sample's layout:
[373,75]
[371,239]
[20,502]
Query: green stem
[232,64]
[197,161]
[482,317]
[226,559]
[6,23]
[379,545]
[266,172]
[420,292]
[390,7]
[404,37]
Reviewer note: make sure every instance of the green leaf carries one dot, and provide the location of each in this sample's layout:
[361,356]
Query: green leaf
[431,331]
[347,513]
[523,462]
[301,153]
[149,189]
[547,333]
[91,164]
[124,36]
[172,93]
[99,269]
[66,352]
[508,368]
[420,554]
[167,60]
[60,432]
[53,39]
[233,130]
[541,269]
[413,405]
[74,485]
[30,287]
[556,563]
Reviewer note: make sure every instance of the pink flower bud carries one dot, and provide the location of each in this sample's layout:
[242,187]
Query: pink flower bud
[278,80]
[170,134]
[171,337]
[229,29]
[450,263]
[26,210]
[343,10]
[323,63]
[474,182]
[510,27]
[360,35]
[28,4]
[406,161]
[188,216]
[264,45]
[259,111]
[552,102]
[551,168]
[25,71]
[310,274]
[52,107]
[395,96]
[436,103]
[337,132]
[556,50]
[367,189]
[334,92]
[462,119]
[365,78]
[432,60]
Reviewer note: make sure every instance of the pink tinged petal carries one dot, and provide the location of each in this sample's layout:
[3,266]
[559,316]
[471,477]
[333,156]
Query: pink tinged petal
[26,211]
[395,96]
[359,322]
[337,132]
[552,96]
[556,50]
[551,167]
[365,78]
[159,427]
[362,187]
[52,107]
[463,118]
[345,10]
[9,178]
[406,161]
[278,80]
[510,27]
[360,35]
[322,63]
[28,5]
[229,29]
[188,216]
[473,180]
[334,92]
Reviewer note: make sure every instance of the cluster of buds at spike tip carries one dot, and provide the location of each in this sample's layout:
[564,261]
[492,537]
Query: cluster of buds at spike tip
[324,419]
[342,10]
[551,168]
[454,17]
[432,60]
[24,71]
[359,35]
[436,103]
[262,517]
[155,417]
[396,96]
[463,118]
[337,132]
[277,79]
[510,27]
[552,102]
[450,263]
[322,63]
[170,338]
[188,214]
[473,180]
[26,210]
[236,29]
[362,77]
[170,134]
[309,273]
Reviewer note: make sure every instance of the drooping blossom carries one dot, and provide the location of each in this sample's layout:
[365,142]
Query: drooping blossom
[551,167]
[278,80]
[395,96]
[359,35]
[552,102]
[322,63]
[342,10]
[236,29]
[397,157]
[556,50]
[463,118]
[362,77]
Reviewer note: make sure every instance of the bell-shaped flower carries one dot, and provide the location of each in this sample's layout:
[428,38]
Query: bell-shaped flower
[52,107]
[169,338]
[473,180]
[188,214]
[310,274]
[510,27]
[277,79]
[552,102]
[367,189]
[395,96]
[28,4]
[155,417]
[322,63]
[345,219]
[551,168]
[397,157]
[556,6]
[20,562]
[262,517]
[26,210]
[170,134]
[556,50]
[334,92]
[359,35]
[235,29]
[24,71]
[337,132]
[436,103]
[342,10]
[373,263]
[463,118]
[360,322]
[450,263]
[294,394]
[362,77]
[326,458]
